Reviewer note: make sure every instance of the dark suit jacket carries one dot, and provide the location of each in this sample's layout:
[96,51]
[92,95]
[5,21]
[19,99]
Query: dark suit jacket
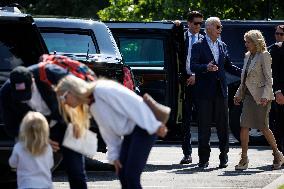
[277,54]
[207,83]
[13,111]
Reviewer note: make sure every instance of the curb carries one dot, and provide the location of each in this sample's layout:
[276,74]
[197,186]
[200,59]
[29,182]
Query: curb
[276,183]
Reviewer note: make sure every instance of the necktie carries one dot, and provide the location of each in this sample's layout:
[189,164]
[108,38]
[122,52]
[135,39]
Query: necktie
[192,39]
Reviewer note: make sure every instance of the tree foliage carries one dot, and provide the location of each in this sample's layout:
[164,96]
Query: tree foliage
[147,10]
[69,8]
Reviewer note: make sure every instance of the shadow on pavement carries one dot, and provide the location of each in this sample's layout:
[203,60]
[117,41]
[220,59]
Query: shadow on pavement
[179,169]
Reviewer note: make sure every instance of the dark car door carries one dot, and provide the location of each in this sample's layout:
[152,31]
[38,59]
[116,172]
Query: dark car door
[151,51]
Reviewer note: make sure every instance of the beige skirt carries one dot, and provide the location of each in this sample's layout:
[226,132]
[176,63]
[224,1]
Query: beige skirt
[254,115]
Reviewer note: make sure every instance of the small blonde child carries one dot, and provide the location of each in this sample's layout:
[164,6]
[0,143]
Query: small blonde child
[32,155]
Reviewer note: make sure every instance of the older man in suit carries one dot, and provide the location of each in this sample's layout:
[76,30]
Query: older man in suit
[209,60]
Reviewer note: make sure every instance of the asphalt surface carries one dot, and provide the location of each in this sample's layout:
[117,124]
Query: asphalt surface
[163,171]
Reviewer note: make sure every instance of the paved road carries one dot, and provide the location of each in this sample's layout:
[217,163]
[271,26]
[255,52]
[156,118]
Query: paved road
[163,171]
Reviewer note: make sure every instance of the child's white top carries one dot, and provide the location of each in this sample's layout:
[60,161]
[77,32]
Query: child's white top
[32,171]
[117,110]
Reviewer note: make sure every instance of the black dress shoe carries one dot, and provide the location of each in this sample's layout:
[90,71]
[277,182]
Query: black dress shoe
[223,160]
[203,164]
[223,165]
[186,160]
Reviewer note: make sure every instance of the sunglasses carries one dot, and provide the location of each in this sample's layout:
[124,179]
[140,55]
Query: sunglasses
[64,96]
[279,33]
[197,23]
[219,27]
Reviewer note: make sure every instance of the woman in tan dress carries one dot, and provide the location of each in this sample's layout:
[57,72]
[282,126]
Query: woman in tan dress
[255,91]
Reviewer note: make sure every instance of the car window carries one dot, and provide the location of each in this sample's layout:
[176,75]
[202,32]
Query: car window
[69,42]
[18,48]
[142,51]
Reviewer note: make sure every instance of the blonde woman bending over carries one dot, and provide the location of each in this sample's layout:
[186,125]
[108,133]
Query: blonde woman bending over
[255,91]
[32,154]
[126,123]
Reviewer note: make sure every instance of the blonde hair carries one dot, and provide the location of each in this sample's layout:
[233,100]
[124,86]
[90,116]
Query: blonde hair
[257,38]
[82,90]
[211,21]
[34,133]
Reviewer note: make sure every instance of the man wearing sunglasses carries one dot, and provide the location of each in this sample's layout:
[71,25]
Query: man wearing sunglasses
[277,53]
[209,61]
[192,35]
[24,91]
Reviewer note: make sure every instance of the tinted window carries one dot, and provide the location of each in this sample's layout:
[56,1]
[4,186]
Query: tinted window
[233,36]
[69,42]
[142,51]
[19,45]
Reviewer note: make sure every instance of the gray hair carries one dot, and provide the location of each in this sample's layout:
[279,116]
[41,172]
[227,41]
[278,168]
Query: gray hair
[210,21]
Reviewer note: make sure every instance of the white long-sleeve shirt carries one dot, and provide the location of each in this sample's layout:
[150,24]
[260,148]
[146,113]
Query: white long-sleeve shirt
[117,110]
[32,171]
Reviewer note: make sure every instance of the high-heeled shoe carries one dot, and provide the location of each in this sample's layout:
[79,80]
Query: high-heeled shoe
[243,164]
[278,160]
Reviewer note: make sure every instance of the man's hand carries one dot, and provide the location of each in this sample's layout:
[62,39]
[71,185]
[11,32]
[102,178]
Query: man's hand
[54,145]
[190,80]
[263,101]
[117,166]
[162,131]
[237,100]
[279,98]
[212,67]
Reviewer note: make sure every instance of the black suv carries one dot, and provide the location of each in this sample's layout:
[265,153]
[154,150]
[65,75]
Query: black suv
[87,41]
[152,50]
[20,44]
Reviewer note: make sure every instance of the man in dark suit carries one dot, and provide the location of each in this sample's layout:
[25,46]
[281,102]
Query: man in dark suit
[277,53]
[209,60]
[192,35]
[24,92]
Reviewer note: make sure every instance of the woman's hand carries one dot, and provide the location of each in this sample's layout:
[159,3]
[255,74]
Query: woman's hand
[117,166]
[237,100]
[263,101]
[76,131]
[162,131]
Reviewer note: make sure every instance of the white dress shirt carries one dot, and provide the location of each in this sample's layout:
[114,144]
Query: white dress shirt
[32,171]
[188,70]
[37,103]
[117,110]
[214,46]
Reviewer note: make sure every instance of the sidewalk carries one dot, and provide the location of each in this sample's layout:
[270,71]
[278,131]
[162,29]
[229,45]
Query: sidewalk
[276,183]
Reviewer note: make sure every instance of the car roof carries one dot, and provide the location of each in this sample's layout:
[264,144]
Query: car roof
[252,22]
[67,22]
[167,25]
[7,15]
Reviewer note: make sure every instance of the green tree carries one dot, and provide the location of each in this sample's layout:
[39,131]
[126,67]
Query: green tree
[70,8]
[148,10]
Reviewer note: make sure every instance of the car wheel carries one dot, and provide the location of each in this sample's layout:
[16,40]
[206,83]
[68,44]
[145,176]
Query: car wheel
[255,135]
